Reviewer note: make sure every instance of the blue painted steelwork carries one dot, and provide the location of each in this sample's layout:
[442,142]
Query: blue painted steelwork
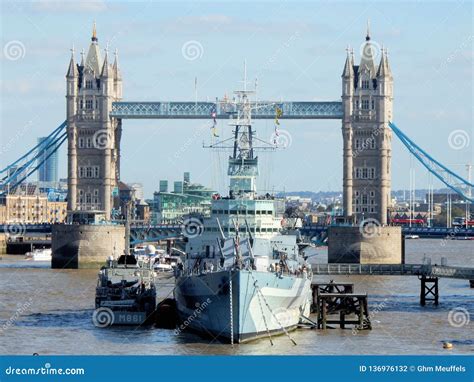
[456,183]
[423,232]
[23,167]
[223,110]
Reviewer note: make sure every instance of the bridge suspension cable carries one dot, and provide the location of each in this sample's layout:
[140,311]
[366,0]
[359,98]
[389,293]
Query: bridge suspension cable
[452,180]
[23,167]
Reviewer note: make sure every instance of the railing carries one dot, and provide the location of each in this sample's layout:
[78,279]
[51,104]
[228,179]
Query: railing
[394,270]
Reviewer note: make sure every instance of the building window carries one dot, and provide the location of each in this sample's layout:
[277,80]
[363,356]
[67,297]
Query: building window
[364,199]
[97,104]
[88,104]
[364,173]
[357,144]
[81,172]
[88,143]
[373,104]
[365,104]
[88,198]
[88,84]
[81,143]
[96,192]
[96,172]
[372,143]
[372,173]
[372,194]
[81,104]
[357,193]
[365,84]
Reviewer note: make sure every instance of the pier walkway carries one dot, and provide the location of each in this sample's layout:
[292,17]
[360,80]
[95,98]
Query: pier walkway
[426,270]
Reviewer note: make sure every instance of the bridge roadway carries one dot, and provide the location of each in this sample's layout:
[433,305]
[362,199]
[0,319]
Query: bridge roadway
[143,232]
[426,270]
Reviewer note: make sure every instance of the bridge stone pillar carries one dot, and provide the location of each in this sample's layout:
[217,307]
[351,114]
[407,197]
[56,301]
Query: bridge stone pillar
[367,97]
[93,147]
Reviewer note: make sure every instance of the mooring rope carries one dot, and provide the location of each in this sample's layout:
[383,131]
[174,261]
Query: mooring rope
[268,306]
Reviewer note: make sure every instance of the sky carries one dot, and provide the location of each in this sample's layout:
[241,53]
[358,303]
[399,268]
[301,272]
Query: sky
[295,49]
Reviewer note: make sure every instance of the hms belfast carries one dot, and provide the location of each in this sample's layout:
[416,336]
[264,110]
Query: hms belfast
[244,276]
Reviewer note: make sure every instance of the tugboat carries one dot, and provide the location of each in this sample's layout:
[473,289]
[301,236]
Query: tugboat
[125,293]
[243,276]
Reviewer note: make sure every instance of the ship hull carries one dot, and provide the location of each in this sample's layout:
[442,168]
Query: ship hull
[253,305]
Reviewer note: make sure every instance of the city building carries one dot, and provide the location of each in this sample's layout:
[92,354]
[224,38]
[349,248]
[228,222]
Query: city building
[47,162]
[187,198]
[31,209]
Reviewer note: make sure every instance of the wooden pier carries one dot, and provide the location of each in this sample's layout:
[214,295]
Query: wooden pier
[335,302]
[427,273]
[427,270]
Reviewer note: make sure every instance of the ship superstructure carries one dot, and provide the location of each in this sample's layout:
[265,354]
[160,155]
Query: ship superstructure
[244,268]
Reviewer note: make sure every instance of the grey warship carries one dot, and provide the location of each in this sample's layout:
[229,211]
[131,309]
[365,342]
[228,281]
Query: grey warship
[125,293]
[243,276]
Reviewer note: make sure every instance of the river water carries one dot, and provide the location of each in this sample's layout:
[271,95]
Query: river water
[49,311]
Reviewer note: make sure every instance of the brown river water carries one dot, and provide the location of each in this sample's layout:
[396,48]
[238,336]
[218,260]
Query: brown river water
[49,311]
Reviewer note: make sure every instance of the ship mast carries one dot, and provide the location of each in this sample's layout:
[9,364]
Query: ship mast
[243,164]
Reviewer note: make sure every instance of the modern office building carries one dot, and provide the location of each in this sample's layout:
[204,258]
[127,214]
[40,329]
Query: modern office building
[48,161]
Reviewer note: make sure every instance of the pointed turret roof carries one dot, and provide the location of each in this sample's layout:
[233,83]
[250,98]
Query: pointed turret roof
[348,66]
[94,60]
[72,69]
[384,67]
[369,52]
[116,70]
[106,70]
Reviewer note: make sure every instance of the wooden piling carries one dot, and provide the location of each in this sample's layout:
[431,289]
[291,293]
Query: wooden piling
[343,304]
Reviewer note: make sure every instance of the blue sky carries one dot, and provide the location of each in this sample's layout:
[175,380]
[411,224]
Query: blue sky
[296,50]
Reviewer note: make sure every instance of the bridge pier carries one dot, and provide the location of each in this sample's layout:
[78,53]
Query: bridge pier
[429,290]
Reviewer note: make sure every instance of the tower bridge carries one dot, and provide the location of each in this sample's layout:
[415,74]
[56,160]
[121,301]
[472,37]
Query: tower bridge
[96,110]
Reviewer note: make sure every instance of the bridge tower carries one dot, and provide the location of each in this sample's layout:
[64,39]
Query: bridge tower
[367,98]
[93,136]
